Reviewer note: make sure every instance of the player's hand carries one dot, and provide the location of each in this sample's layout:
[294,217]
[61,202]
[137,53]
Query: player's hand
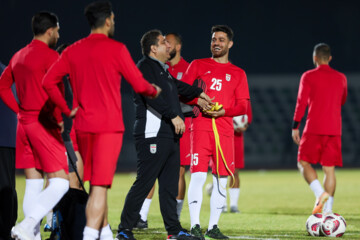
[296,136]
[216,114]
[73,112]
[203,104]
[207,98]
[158,91]
[178,124]
[61,126]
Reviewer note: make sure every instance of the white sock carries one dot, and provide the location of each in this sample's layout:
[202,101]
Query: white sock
[328,205]
[29,224]
[234,196]
[195,196]
[179,206]
[145,209]
[37,232]
[33,188]
[49,217]
[49,197]
[217,200]
[316,188]
[90,233]
[38,236]
[106,233]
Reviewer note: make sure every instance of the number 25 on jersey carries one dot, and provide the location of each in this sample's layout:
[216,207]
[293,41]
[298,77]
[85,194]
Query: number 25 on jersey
[216,84]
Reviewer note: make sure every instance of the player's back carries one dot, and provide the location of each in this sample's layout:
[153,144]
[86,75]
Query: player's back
[95,63]
[327,94]
[29,65]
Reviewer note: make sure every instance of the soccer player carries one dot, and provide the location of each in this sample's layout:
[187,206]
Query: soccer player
[95,65]
[38,149]
[234,190]
[323,90]
[177,67]
[158,127]
[228,84]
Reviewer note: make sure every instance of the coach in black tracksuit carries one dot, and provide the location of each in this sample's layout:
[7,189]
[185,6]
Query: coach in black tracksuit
[158,127]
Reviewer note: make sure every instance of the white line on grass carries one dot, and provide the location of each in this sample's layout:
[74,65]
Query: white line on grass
[248,237]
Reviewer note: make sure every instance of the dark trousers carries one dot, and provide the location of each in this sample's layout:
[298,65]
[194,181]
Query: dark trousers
[8,197]
[157,158]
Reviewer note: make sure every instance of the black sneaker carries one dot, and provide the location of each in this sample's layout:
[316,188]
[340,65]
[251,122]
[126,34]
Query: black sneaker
[214,233]
[182,235]
[196,231]
[125,234]
[141,224]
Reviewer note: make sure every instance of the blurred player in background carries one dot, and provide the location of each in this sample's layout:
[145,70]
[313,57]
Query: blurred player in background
[323,90]
[95,65]
[228,84]
[177,67]
[240,126]
[39,148]
[71,146]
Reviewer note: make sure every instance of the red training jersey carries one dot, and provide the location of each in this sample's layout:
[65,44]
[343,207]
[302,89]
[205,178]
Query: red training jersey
[27,68]
[224,81]
[179,69]
[324,91]
[95,65]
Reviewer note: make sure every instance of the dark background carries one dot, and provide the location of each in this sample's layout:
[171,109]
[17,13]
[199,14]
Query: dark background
[273,43]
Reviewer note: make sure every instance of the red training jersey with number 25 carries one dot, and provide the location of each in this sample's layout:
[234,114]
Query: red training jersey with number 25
[224,81]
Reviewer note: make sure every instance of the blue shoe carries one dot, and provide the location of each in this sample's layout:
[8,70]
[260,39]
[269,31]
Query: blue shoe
[125,234]
[47,228]
[183,236]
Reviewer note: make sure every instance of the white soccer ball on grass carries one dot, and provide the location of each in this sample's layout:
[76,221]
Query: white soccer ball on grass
[333,225]
[313,224]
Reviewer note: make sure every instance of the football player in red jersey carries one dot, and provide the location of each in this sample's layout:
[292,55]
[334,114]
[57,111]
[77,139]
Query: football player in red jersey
[234,184]
[324,91]
[37,150]
[95,65]
[226,83]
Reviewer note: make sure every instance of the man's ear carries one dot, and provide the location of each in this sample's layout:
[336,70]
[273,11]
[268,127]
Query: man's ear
[231,43]
[153,48]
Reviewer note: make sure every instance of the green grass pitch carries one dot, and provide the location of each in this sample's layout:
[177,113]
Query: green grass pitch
[273,204]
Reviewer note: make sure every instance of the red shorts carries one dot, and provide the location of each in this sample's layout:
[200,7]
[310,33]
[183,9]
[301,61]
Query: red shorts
[204,150]
[38,148]
[185,144]
[239,151]
[100,153]
[322,149]
[73,139]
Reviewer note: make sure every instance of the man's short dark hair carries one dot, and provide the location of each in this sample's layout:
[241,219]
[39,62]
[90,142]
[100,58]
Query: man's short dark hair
[97,12]
[223,28]
[148,39]
[42,21]
[322,51]
[176,36]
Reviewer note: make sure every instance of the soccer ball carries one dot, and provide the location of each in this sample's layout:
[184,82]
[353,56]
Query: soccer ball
[240,121]
[313,224]
[333,225]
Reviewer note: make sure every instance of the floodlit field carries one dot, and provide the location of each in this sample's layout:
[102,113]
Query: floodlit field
[273,205]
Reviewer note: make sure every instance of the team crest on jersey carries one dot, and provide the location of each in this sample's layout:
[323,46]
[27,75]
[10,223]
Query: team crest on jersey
[179,76]
[228,77]
[153,148]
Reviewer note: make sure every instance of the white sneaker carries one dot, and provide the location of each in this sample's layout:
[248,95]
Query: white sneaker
[19,233]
